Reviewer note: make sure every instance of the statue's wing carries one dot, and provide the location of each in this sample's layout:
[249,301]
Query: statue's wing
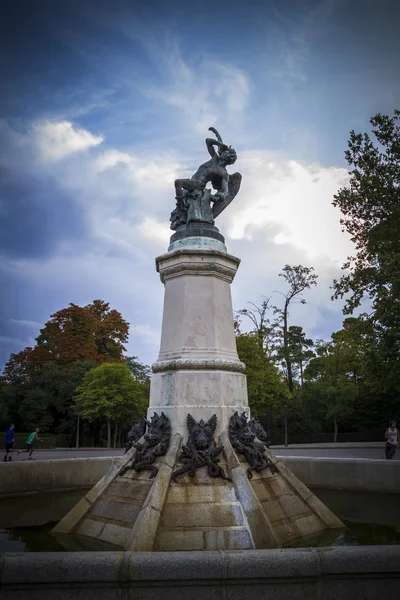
[233,186]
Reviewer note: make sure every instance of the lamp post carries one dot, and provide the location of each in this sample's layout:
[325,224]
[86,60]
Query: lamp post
[285,416]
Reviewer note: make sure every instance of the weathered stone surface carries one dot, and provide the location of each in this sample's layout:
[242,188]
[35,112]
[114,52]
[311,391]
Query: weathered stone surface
[64,593]
[176,566]
[287,532]
[285,508]
[175,592]
[262,532]
[347,573]
[143,533]
[91,528]
[125,489]
[193,494]
[197,327]
[115,510]
[114,534]
[182,541]
[271,591]
[309,524]
[73,518]
[324,514]
[200,393]
[234,538]
[373,559]
[276,487]
[353,474]
[202,515]
[59,567]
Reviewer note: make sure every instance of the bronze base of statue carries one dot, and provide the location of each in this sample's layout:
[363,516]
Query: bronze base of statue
[197,229]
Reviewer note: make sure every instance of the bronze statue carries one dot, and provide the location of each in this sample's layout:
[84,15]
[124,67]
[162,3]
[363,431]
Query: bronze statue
[195,203]
[201,449]
[243,434]
[156,442]
[138,430]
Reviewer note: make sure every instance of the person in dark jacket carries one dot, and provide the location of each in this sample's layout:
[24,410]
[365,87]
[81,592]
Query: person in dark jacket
[9,443]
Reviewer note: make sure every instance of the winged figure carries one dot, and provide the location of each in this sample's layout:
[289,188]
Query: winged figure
[196,203]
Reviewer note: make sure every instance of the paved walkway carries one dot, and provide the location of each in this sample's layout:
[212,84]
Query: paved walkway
[372,450]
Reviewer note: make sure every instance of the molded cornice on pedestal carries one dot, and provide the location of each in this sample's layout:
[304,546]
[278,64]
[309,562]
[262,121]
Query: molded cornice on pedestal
[197,261]
[220,365]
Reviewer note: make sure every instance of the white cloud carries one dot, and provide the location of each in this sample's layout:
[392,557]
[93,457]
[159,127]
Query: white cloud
[296,198]
[56,140]
[211,92]
[155,232]
[283,214]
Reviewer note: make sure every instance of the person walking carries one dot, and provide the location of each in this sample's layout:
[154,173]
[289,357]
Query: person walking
[392,440]
[29,442]
[9,443]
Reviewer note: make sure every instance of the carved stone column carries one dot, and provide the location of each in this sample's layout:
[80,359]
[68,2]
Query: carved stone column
[198,370]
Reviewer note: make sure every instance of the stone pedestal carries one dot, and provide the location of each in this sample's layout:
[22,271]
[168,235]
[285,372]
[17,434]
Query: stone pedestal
[198,370]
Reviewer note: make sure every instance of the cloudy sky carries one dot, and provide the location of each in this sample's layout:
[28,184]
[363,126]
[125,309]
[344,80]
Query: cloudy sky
[104,103]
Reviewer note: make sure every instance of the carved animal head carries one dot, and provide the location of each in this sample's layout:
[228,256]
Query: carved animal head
[239,429]
[228,155]
[201,434]
[138,430]
[258,430]
[158,430]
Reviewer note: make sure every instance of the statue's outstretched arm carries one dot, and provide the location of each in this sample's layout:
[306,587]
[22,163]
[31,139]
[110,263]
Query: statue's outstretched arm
[210,145]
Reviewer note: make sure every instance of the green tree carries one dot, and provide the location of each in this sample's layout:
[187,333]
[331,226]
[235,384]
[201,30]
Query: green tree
[299,348]
[264,382]
[45,400]
[299,279]
[331,387]
[370,206]
[109,392]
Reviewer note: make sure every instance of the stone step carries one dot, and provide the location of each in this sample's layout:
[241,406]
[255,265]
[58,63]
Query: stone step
[271,489]
[223,538]
[109,532]
[115,510]
[291,515]
[193,494]
[199,515]
[284,508]
[130,490]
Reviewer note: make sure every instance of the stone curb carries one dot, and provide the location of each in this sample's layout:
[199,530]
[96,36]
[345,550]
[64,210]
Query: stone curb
[327,446]
[330,446]
[305,574]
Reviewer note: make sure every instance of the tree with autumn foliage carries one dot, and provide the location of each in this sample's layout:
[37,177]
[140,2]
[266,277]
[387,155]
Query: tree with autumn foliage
[39,383]
[92,333]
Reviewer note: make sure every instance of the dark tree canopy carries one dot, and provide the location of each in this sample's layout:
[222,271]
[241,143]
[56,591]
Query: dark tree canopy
[370,205]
